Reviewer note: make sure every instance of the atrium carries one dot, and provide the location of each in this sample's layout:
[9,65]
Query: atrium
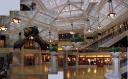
[65,39]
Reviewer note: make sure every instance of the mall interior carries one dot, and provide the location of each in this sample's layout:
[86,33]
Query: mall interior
[65,39]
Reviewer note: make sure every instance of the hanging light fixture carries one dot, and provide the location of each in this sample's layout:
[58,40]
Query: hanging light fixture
[88,25]
[99,26]
[15,17]
[72,32]
[111,13]
[50,40]
[3,28]
[16,20]
[3,24]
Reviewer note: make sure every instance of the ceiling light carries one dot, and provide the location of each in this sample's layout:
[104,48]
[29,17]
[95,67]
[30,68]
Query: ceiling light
[3,28]
[111,13]
[99,27]
[72,32]
[16,20]
[88,25]
[50,40]
[89,30]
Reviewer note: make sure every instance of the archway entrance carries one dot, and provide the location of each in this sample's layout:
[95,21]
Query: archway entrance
[29,59]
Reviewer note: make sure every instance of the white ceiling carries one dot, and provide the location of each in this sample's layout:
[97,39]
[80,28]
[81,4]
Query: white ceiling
[57,15]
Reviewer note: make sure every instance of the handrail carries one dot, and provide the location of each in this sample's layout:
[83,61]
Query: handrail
[108,36]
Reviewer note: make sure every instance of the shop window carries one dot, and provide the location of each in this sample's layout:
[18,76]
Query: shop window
[46,57]
[71,60]
[2,41]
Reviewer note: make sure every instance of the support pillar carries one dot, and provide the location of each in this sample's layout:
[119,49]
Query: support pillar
[36,59]
[54,63]
[77,64]
[115,72]
[65,60]
[22,58]
[40,58]
[77,58]
[116,65]
[66,49]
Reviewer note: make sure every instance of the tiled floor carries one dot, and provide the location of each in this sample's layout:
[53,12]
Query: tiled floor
[41,72]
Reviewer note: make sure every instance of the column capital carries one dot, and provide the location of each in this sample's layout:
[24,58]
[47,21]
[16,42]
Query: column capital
[115,54]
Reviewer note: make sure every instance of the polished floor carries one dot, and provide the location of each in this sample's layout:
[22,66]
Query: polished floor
[41,72]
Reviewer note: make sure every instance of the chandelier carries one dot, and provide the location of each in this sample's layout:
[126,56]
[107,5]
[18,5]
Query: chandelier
[16,20]
[88,25]
[111,13]
[72,32]
[14,17]
[3,20]
[3,28]
[99,26]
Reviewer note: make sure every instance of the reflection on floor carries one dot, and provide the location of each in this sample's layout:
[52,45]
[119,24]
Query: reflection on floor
[85,73]
[41,72]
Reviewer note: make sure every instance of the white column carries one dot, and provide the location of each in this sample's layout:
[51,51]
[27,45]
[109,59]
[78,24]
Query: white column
[116,66]
[77,64]
[54,63]
[115,72]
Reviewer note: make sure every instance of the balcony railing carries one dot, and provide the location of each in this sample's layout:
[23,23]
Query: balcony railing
[106,37]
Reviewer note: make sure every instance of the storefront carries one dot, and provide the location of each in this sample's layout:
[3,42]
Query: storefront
[29,59]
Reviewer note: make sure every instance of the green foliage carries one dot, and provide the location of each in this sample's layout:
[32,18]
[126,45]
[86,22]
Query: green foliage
[115,49]
[77,39]
[53,49]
